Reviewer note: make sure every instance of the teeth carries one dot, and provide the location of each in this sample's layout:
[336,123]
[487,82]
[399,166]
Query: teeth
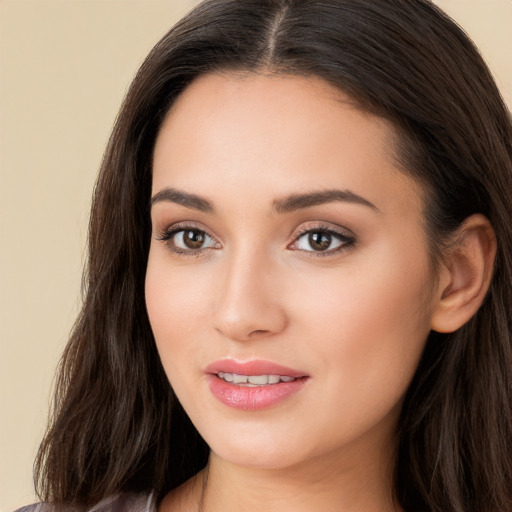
[254,380]
[261,380]
[239,379]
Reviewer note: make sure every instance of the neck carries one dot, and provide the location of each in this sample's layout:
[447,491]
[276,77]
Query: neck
[322,486]
[356,478]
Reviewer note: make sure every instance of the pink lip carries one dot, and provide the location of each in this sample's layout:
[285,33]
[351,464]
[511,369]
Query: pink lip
[253,398]
[254,367]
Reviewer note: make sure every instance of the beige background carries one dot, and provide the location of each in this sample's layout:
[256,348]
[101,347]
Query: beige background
[64,68]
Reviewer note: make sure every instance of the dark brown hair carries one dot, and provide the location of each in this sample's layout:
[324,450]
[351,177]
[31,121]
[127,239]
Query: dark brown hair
[117,425]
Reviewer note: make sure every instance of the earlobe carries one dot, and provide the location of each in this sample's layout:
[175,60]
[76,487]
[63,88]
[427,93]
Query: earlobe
[466,274]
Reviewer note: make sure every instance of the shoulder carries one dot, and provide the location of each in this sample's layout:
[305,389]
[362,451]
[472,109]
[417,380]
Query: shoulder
[126,503]
[117,503]
[36,507]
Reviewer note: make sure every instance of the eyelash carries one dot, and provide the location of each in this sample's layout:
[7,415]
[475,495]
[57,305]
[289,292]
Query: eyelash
[168,234]
[347,241]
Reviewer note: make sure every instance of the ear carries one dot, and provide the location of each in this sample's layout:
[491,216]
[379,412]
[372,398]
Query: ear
[465,274]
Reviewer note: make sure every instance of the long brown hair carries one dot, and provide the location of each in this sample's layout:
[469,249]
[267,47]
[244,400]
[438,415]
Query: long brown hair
[117,425]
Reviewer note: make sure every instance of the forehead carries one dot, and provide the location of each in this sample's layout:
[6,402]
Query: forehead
[277,134]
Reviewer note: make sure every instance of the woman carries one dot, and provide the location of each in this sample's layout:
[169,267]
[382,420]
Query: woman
[298,289]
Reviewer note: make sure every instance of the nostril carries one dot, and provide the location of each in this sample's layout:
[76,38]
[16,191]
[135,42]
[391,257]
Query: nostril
[258,333]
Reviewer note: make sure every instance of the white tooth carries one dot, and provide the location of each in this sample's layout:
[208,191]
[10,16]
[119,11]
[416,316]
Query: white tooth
[220,375]
[260,380]
[273,379]
[285,378]
[228,377]
[239,379]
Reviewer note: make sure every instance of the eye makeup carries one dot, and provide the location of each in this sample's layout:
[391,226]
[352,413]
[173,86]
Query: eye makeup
[319,240]
[314,240]
[187,239]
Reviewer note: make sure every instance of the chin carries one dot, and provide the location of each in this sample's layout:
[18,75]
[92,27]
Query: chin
[267,458]
[259,448]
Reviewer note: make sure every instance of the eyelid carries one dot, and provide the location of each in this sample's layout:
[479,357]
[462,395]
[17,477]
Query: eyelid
[165,235]
[165,232]
[346,236]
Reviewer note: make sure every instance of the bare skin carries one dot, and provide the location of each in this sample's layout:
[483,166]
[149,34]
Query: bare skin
[338,285]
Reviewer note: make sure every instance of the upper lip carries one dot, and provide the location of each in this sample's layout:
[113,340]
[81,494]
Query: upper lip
[254,367]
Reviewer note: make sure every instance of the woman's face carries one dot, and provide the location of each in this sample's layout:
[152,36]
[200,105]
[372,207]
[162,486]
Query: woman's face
[288,283]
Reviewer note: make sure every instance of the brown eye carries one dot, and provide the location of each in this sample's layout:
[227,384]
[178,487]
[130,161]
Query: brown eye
[319,241]
[325,241]
[189,240]
[193,238]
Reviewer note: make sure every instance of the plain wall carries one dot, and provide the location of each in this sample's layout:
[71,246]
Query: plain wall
[64,68]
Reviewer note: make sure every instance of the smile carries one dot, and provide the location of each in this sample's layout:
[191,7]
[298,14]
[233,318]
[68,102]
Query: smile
[253,385]
[254,380]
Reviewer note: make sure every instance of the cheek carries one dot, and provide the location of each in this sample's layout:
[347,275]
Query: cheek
[175,301]
[370,324]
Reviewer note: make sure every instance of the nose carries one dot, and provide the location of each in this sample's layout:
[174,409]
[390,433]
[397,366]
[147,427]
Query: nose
[248,305]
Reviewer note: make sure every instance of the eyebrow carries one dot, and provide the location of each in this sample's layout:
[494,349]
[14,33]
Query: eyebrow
[289,204]
[300,201]
[184,199]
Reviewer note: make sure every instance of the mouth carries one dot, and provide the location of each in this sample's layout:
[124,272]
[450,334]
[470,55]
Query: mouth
[253,385]
[254,380]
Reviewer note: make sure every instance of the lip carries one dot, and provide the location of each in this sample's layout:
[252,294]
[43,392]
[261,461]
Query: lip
[253,398]
[254,367]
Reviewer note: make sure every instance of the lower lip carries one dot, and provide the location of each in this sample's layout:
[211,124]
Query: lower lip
[253,398]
